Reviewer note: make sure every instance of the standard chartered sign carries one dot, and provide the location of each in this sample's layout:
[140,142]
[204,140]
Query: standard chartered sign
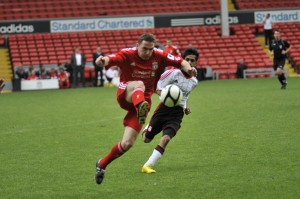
[278,16]
[102,24]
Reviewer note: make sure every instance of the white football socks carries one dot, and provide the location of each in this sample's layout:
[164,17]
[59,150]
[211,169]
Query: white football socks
[156,155]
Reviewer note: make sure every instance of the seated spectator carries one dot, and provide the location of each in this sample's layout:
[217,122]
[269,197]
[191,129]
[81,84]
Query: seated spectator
[240,69]
[63,78]
[110,74]
[31,68]
[21,73]
[32,76]
[43,73]
[52,73]
[69,68]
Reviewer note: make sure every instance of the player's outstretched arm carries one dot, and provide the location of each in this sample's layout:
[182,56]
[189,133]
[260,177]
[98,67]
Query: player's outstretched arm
[186,67]
[102,61]
[187,110]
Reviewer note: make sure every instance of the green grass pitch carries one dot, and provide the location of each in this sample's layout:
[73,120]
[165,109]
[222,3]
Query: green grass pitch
[242,140]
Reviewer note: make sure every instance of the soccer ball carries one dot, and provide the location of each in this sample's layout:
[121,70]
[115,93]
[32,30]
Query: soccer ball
[171,95]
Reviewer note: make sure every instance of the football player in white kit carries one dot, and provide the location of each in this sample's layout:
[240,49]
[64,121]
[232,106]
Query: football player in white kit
[168,119]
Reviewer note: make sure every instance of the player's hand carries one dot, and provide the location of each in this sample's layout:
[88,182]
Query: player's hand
[192,72]
[283,52]
[187,111]
[99,61]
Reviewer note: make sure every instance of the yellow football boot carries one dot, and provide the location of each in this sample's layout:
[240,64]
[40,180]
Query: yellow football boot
[148,169]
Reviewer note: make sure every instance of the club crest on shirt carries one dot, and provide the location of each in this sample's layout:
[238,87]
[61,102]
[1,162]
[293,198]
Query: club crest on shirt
[154,65]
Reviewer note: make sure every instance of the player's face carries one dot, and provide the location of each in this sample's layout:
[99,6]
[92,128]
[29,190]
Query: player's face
[277,35]
[169,43]
[145,50]
[191,59]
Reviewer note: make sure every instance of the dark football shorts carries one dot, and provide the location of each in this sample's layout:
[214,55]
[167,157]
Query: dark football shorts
[165,117]
[279,63]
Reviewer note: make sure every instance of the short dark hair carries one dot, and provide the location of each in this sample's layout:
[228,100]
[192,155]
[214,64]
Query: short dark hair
[147,37]
[191,51]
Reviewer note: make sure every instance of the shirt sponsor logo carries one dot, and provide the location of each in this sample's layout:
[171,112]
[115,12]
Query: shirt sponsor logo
[141,74]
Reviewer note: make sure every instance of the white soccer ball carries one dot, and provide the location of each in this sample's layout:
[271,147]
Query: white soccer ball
[171,95]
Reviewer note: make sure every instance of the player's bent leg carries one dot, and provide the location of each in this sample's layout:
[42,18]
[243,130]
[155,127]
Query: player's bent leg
[149,135]
[145,139]
[135,94]
[142,112]
[132,87]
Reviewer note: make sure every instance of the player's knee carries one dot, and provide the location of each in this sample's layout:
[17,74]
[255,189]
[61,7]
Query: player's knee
[139,84]
[127,145]
[279,71]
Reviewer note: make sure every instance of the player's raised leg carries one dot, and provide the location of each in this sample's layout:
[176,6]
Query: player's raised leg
[135,94]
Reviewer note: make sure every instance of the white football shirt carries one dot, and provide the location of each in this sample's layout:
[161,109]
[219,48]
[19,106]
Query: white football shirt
[175,76]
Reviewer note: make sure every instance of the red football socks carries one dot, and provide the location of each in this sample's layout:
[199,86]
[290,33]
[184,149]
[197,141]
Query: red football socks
[137,96]
[115,152]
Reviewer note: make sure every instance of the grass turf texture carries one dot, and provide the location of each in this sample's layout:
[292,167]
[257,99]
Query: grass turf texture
[241,141]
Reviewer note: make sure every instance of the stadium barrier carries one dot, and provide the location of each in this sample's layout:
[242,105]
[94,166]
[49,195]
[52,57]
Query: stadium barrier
[258,72]
[39,84]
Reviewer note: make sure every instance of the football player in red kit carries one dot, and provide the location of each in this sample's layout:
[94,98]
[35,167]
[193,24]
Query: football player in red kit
[171,49]
[63,78]
[141,68]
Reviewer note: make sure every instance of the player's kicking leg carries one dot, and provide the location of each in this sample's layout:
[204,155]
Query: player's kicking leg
[135,95]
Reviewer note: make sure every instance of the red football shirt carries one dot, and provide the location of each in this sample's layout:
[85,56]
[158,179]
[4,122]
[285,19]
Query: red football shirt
[63,76]
[134,68]
[172,50]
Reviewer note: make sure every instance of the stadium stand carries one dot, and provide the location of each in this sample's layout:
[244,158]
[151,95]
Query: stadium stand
[2,40]
[263,4]
[32,9]
[290,32]
[220,53]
